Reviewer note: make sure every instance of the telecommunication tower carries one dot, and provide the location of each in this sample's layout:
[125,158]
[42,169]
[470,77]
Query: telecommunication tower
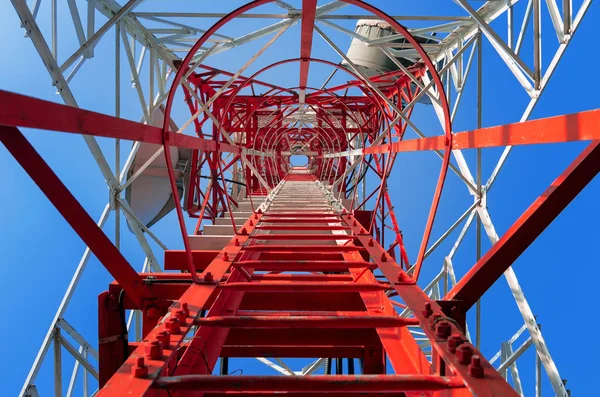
[304,267]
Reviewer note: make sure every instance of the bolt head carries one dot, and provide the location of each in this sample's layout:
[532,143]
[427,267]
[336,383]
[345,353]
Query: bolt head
[139,370]
[475,368]
[208,277]
[165,338]
[154,350]
[181,316]
[173,326]
[454,341]
[464,354]
[443,329]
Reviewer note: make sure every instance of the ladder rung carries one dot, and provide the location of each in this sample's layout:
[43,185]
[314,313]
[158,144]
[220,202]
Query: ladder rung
[310,384]
[302,237]
[306,265]
[358,321]
[302,227]
[306,286]
[303,248]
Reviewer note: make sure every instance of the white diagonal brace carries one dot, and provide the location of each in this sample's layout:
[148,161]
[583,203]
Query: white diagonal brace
[525,309]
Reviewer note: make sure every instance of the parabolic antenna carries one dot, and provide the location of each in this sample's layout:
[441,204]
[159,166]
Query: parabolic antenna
[149,195]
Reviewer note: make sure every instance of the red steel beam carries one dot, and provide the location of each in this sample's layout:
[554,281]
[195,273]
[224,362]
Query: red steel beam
[315,383]
[583,126]
[24,111]
[77,217]
[309,11]
[426,311]
[330,286]
[528,227]
[271,322]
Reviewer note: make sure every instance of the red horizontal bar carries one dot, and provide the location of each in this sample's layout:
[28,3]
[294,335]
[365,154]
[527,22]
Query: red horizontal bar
[302,237]
[266,219]
[305,287]
[24,111]
[314,383]
[328,214]
[303,265]
[304,248]
[302,301]
[581,126]
[306,322]
[302,227]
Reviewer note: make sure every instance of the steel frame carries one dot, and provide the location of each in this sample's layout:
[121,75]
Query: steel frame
[338,159]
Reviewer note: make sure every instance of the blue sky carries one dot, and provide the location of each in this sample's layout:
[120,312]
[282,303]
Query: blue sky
[40,251]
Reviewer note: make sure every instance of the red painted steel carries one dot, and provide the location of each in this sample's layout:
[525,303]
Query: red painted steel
[528,227]
[307,275]
[391,383]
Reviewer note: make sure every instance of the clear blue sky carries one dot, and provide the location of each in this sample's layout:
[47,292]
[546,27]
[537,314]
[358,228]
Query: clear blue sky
[40,251]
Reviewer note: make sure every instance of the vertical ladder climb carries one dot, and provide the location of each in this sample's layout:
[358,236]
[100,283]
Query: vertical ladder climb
[303,279]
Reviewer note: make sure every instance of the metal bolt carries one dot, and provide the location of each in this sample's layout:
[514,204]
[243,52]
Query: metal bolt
[401,277]
[259,211]
[225,256]
[236,242]
[244,231]
[251,223]
[384,257]
[154,350]
[454,341]
[427,312]
[443,330]
[208,277]
[173,326]
[354,223]
[464,354]
[362,230]
[371,242]
[181,316]
[475,368]
[255,216]
[139,370]
[165,338]
[184,307]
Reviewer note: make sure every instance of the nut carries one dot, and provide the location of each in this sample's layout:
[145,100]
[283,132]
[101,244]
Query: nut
[454,341]
[464,354]
[154,350]
[443,330]
[165,338]
[208,277]
[173,326]
[139,370]
[181,316]
[475,368]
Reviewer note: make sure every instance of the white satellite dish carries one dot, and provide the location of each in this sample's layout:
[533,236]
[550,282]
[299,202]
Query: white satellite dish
[149,195]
